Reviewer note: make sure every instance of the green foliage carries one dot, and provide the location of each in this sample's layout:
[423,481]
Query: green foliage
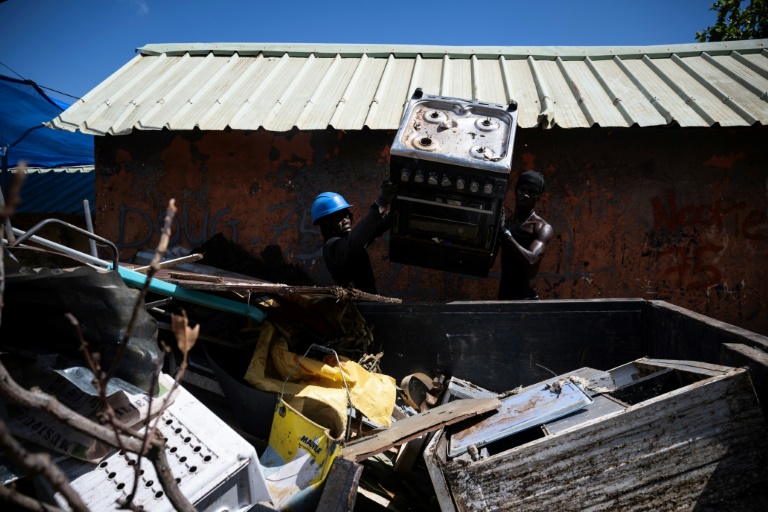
[735,23]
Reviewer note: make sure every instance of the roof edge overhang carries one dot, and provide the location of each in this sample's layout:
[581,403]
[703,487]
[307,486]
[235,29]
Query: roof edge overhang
[480,52]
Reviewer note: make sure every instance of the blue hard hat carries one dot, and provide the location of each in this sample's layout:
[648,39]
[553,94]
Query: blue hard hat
[326,203]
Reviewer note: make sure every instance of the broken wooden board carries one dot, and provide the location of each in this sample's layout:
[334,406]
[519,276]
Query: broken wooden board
[415,426]
[700,446]
[259,287]
[211,279]
[341,485]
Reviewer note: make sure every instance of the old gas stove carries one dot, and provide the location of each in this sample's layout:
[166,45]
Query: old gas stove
[452,159]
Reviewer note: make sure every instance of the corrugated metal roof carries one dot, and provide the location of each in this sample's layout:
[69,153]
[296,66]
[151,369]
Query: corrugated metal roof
[313,87]
[57,190]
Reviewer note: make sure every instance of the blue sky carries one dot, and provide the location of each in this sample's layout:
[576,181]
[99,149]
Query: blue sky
[73,45]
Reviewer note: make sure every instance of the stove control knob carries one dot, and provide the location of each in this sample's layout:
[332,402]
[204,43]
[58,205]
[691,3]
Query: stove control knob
[419,178]
[405,175]
[446,181]
[432,180]
[488,188]
[461,183]
[474,186]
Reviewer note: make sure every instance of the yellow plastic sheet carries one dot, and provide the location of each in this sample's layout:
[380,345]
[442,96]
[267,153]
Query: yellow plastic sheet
[317,386]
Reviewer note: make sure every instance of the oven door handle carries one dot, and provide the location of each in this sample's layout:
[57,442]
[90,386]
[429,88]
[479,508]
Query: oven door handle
[444,205]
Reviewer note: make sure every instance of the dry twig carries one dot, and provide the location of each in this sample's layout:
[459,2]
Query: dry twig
[40,464]
[114,433]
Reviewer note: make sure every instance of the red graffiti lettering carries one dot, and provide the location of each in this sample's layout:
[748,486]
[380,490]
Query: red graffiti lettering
[701,273]
[702,216]
[708,274]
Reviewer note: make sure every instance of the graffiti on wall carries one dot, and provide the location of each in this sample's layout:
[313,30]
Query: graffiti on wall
[146,227]
[150,225]
[692,238]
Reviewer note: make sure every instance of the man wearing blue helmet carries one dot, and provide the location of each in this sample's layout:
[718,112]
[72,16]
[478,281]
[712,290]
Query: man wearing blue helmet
[345,248]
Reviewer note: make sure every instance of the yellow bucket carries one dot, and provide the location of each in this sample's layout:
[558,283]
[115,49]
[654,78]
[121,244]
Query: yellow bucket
[301,450]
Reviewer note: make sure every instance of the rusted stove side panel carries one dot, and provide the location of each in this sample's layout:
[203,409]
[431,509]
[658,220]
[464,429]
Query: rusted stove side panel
[702,447]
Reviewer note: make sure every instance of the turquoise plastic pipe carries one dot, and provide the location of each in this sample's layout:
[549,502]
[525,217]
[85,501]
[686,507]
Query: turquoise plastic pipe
[137,279]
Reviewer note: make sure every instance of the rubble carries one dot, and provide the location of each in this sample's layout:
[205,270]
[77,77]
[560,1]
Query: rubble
[434,442]
[298,310]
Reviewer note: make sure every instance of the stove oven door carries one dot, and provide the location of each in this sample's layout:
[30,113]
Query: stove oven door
[451,233]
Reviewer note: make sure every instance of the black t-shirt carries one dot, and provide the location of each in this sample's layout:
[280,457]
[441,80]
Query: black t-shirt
[346,258]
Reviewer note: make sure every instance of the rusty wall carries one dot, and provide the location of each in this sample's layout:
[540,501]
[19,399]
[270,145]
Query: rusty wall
[668,213]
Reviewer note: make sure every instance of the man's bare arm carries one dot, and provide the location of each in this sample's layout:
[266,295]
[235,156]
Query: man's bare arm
[536,252]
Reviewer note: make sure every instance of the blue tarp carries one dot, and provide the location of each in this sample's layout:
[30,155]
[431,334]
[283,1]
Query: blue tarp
[24,107]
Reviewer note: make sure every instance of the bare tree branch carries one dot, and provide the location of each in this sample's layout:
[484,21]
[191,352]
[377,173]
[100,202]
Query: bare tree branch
[36,399]
[149,444]
[6,210]
[153,267]
[13,496]
[40,464]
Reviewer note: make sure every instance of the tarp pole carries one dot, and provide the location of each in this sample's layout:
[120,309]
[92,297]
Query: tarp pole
[4,182]
[89,225]
[66,250]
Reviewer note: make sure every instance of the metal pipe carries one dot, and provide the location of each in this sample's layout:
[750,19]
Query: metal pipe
[157,303]
[4,162]
[63,248]
[8,227]
[89,225]
[137,280]
[74,228]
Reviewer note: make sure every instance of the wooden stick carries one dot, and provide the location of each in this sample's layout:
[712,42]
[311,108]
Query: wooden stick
[194,277]
[172,263]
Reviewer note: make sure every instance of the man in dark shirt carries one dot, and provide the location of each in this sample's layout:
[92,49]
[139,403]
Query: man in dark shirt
[345,250]
[524,237]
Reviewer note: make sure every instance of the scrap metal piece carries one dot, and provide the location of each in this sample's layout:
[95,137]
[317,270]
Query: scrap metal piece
[519,412]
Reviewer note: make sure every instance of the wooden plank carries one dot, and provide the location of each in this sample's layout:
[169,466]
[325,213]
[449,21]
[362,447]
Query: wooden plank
[261,288]
[340,491]
[707,369]
[677,333]
[186,276]
[701,446]
[756,360]
[233,282]
[408,453]
[415,426]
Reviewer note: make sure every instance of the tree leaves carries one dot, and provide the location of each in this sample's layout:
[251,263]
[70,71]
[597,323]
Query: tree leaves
[186,336]
[734,23]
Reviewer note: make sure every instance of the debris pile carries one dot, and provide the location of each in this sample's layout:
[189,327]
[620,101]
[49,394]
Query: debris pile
[244,394]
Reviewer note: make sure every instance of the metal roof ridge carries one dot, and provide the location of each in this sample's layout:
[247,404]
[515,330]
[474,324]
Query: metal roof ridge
[436,51]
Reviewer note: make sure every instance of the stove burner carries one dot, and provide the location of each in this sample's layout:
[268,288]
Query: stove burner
[484,153]
[434,116]
[425,143]
[487,125]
